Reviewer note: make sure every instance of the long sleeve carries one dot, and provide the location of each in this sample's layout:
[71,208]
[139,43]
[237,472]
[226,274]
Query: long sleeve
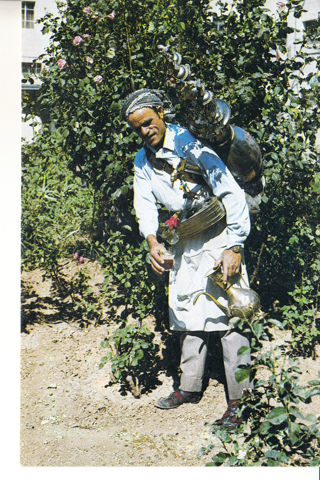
[144,200]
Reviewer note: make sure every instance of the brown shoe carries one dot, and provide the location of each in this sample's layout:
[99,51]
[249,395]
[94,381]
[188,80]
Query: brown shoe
[230,419]
[175,399]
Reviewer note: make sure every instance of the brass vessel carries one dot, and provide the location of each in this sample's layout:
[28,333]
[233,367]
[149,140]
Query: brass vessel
[242,302]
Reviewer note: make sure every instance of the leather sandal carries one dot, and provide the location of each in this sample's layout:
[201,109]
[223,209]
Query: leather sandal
[230,419]
[177,398]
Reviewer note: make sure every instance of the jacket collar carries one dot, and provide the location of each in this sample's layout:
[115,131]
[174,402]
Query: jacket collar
[168,143]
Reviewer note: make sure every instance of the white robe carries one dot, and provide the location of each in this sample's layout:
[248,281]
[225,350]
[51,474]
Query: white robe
[194,257]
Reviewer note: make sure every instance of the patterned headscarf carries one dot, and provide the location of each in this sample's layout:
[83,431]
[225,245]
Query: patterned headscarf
[146,98]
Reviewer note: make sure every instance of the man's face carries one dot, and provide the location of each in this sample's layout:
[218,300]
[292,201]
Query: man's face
[149,125]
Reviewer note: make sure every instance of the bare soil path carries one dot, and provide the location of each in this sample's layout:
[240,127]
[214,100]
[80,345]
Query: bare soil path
[72,416]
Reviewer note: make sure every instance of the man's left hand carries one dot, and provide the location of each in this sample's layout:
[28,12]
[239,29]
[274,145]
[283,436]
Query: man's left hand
[231,263]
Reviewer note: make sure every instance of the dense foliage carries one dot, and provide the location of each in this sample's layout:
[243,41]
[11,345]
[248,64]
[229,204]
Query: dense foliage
[57,207]
[277,431]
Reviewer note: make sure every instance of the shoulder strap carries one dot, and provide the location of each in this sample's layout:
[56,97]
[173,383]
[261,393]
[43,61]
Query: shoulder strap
[185,172]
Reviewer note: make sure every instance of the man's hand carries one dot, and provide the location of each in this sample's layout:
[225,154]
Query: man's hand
[155,249]
[230,262]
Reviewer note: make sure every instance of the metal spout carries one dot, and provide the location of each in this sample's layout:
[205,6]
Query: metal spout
[183,71]
[177,58]
[225,310]
[207,97]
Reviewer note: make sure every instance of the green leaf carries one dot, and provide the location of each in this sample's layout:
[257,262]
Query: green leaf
[135,362]
[264,428]
[257,329]
[243,351]
[277,323]
[220,458]
[295,429]
[111,52]
[303,394]
[243,374]
[273,454]
[311,418]
[277,415]
[296,412]
[314,382]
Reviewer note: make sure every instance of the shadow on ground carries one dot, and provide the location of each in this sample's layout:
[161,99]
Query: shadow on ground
[36,308]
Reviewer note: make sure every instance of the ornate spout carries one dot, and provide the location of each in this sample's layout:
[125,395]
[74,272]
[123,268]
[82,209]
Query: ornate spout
[225,310]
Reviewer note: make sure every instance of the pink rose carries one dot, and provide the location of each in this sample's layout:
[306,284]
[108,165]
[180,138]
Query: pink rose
[86,36]
[81,260]
[77,40]
[89,60]
[97,79]
[111,15]
[172,222]
[75,256]
[61,63]
[87,10]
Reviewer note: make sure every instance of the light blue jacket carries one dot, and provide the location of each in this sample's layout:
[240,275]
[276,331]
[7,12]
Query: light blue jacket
[152,186]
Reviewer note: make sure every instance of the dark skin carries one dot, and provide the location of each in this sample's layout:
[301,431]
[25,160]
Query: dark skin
[148,123]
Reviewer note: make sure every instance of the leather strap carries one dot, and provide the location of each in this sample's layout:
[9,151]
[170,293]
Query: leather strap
[158,163]
[162,165]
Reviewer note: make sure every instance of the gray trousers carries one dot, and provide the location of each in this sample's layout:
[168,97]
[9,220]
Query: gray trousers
[194,347]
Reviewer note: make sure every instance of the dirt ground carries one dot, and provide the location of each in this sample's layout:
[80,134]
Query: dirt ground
[72,416]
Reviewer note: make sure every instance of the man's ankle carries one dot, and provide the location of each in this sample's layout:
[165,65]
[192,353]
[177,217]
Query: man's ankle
[234,403]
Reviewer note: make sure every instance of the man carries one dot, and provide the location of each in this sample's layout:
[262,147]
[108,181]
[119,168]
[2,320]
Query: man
[156,181]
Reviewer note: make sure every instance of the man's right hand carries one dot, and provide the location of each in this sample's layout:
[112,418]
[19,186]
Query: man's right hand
[155,249]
